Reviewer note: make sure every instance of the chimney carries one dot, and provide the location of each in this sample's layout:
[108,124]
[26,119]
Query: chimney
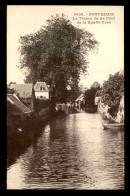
[11,83]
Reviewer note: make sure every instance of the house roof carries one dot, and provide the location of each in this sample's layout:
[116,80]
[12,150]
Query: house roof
[15,101]
[24,90]
[80,98]
[38,85]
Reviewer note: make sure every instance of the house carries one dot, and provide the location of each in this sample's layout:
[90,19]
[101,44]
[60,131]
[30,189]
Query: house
[98,97]
[80,100]
[25,93]
[16,111]
[122,102]
[41,90]
[120,113]
[101,107]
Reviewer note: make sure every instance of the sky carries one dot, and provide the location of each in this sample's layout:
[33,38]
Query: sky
[23,20]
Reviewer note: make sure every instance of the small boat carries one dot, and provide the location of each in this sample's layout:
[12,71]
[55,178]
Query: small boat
[113,125]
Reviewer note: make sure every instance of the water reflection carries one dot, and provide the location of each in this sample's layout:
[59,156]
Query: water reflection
[73,152]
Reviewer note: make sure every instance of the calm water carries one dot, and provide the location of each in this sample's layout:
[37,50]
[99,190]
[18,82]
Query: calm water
[72,152]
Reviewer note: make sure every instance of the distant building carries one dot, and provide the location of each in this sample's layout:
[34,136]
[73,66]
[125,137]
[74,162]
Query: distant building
[80,100]
[98,97]
[41,90]
[25,93]
[121,110]
[122,102]
[101,107]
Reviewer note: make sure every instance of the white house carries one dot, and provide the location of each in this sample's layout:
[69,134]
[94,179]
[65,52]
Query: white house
[80,100]
[41,90]
[98,97]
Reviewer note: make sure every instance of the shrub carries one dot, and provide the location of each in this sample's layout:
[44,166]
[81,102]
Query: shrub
[40,104]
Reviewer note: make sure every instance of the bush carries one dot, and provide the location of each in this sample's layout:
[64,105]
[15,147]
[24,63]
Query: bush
[90,96]
[40,104]
[113,90]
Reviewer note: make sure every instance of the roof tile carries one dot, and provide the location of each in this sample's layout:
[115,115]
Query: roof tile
[24,90]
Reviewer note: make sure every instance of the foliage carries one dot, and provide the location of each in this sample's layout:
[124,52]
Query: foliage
[90,96]
[72,94]
[99,93]
[56,55]
[113,90]
[95,85]
[40,104]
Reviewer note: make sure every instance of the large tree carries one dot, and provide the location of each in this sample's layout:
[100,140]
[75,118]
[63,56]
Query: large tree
[95,85]
[89,94]
[56,54]
[113,89]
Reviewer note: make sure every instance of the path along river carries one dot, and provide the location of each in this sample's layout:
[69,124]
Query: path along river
[71,152]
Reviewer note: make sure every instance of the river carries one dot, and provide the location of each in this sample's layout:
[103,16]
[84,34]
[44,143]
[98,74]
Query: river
[71,152]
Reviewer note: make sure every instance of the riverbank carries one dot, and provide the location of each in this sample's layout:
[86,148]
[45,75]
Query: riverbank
[24,133]
[32,122]
[20,136]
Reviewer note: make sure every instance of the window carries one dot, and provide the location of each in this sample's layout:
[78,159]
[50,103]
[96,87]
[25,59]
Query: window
[42,88]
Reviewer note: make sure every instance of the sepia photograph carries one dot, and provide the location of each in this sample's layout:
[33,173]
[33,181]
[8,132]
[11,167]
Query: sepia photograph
[65,97]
